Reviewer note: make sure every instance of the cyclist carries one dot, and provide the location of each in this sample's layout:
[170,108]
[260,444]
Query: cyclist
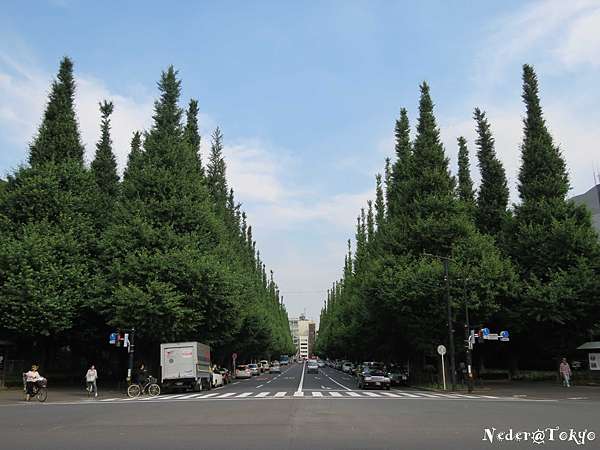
[142,375]
[31,377]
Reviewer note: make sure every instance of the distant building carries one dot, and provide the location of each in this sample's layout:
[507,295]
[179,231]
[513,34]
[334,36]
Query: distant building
[592,200]
[303,335]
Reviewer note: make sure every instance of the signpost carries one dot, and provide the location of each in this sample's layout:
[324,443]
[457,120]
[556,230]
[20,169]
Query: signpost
[120,339]
[233,359]
[442,351]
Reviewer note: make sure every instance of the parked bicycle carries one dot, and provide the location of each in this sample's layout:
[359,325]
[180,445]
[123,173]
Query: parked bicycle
[40,389]
[150,387]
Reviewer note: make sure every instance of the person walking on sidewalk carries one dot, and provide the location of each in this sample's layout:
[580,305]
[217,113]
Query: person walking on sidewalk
[565,372]
[90,377]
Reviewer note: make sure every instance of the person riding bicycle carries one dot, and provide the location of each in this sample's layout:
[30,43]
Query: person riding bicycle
[142,375]
[31,377]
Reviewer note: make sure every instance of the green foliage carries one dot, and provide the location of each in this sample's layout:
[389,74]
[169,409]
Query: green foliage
[164,251]
[492,199]
[58,136]
[466,193]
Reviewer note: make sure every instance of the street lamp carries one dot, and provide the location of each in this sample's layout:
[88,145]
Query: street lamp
[446,261]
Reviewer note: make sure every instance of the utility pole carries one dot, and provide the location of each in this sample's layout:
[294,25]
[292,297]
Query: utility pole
[468,348]
[131,349]
[446,261]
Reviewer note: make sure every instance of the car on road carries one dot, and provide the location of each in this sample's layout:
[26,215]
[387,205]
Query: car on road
[264,365]
[312,367]
[217,379]
[275,367]
[375,378]
[254,369]
[226,375]
[347,367]
[397,375]
[320,363]
[243,371]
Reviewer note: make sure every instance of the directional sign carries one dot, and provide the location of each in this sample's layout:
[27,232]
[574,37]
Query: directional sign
[441,350]
[504,334]
[112,338]
[485,331]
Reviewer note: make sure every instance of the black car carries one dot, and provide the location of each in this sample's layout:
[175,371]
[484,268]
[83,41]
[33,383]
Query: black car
[375,378]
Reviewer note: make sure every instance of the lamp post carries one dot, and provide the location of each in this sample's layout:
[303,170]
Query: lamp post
[446,261]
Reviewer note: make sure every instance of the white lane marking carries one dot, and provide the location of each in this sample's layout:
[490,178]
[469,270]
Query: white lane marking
[488,396]
[229,394]
[301,379]
[245,394]
[281,394]
[371,394]
[317,394]
[262,394]
[190,396]
[353,394]
[168,397]
[298,394]
[339,384]
[429,395]
[389,394]
[259,386]
[465,396]
[108,400]
[335,394]
[406,394]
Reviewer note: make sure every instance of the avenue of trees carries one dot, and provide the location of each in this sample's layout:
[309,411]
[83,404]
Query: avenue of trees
[165,249]
[532,268]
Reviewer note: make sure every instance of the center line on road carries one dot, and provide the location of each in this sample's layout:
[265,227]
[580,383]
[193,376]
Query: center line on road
[301,379]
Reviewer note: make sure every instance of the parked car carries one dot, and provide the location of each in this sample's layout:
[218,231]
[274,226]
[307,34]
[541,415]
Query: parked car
[243,371]
[320,363]
[312,367]
[347,367]
[264,365]
[254,369]
[275,367]
[217,379]
[397,375]
[375,378]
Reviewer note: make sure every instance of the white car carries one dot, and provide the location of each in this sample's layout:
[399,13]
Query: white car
[254,369]
[275,367]
[264,365]
[321,363]
[217,379]
[243,371]
[347,367]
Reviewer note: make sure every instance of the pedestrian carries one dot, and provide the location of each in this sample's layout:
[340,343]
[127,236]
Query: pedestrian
[91,377]
[565,372]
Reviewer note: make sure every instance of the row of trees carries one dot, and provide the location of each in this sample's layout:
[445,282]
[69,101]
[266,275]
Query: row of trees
[532,268]
[166,250]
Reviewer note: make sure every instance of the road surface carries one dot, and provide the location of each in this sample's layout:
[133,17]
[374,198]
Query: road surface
[292,411]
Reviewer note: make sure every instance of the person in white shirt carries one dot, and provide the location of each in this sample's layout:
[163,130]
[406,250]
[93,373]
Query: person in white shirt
[90,377]
[30,379]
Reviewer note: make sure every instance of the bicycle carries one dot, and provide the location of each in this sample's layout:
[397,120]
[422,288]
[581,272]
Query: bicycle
[137,389]
[40,390]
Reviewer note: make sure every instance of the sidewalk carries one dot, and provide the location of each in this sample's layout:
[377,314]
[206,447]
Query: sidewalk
[58,394]
[530,389]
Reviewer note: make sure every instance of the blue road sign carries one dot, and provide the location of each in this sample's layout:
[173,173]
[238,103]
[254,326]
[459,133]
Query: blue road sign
[504,334]
[113,338]
[485,331]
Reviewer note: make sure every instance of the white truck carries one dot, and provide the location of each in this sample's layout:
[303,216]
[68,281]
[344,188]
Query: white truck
[185,365]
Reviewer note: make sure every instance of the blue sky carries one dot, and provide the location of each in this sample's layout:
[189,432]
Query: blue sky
[306,94]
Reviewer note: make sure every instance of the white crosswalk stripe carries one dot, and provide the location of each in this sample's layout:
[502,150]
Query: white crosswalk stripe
[319,394]
[371,394]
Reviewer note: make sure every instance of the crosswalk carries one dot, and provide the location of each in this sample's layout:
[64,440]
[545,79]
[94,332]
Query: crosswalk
[266,395]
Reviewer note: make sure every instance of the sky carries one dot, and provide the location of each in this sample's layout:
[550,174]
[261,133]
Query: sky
[307,93]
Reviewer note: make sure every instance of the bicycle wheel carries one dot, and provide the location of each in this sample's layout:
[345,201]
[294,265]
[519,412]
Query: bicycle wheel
[42,394]
[153,390]
[133,390]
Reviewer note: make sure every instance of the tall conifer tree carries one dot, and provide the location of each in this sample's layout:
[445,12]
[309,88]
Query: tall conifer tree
[492,199]
[58,138]
[104,165]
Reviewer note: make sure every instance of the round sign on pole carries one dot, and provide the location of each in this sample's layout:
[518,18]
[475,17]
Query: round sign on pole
[234,356]
[441,350]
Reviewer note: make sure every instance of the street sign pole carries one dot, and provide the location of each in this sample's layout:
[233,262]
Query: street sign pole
[450,325]
[131,349]
[442,351]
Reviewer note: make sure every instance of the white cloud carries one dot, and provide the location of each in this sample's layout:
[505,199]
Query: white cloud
[23,95]
[581,43]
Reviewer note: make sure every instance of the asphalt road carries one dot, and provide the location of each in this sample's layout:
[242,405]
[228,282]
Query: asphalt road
[292,411]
